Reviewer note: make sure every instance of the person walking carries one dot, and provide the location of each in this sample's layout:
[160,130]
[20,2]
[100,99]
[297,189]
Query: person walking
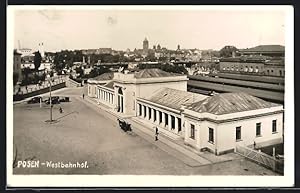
[60,110]
[156,134]
[83,96]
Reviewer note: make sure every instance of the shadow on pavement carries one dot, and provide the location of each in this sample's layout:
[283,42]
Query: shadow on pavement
[67,115]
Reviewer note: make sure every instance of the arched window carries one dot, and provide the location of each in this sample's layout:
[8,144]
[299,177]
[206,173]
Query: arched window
[120,91]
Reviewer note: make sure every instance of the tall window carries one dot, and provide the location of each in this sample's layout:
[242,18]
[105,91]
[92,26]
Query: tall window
[258,128]
[154,114]
[211,135]
[192,131]
[274,126]
[238,133]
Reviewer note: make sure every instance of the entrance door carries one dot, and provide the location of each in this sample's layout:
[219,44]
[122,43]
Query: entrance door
[120,101]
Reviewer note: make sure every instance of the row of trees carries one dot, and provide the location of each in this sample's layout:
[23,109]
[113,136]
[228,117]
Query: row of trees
[166,67]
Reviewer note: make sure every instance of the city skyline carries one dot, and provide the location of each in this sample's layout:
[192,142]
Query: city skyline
[121,29]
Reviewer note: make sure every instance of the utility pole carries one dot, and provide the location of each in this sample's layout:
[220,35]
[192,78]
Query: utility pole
[49,79]
[50,102]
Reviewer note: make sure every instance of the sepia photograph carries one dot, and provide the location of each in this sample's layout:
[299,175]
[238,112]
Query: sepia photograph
[133,96]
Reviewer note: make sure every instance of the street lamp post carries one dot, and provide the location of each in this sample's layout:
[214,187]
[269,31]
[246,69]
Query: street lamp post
[50,103]
[49,79]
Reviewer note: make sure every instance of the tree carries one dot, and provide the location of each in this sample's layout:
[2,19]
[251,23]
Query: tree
[37,60]
[79,71]
[227,51]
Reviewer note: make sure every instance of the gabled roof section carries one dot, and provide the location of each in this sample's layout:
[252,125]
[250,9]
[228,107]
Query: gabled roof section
[173,98]
[153,73]
[227,103]
[105,76]
[109,85]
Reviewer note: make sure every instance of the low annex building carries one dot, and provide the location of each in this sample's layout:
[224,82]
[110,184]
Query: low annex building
[213,123]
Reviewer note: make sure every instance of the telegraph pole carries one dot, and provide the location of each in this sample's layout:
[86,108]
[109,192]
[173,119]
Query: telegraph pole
[50,102]
[49,79]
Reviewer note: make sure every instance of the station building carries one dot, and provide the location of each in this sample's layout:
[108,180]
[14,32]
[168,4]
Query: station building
[206,123]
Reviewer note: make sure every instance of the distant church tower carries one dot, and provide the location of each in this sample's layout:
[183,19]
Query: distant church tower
[41,49]
[145,45]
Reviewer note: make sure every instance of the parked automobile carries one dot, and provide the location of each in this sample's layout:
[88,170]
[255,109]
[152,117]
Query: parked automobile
[54,100]
[64,99]
[34,100]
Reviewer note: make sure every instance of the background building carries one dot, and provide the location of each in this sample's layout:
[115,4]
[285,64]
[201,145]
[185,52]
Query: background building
[17,65]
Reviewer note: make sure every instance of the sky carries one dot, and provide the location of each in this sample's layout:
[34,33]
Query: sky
[121,28]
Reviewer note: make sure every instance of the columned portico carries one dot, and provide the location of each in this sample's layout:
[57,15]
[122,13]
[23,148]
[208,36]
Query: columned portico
[164,119]
[105,96]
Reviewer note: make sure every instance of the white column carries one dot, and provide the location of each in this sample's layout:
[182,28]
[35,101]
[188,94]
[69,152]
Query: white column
[163,119]
[157,116]
[169,121]
[143,112]
[152,115]
[176,124]
[186,130]
[138,109]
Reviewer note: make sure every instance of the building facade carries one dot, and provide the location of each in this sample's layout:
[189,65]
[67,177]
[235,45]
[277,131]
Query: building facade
[17,65]
[242,67]
[207,123]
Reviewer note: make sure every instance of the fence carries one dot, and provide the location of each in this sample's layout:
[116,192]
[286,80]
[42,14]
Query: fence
[21,96]
[73,83]
[33,88]
[261,158]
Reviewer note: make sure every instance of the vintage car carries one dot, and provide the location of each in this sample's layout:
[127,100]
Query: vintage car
[64,99]
[34,100]
[54,100]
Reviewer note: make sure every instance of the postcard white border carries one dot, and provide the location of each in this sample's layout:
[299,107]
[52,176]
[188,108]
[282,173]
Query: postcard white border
[150,180]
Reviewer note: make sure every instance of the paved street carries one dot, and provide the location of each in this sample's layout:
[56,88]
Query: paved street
[86,133]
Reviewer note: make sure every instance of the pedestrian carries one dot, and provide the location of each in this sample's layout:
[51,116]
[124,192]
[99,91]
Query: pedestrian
[156,134]
[83,96]
[254,145]
[60,110]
